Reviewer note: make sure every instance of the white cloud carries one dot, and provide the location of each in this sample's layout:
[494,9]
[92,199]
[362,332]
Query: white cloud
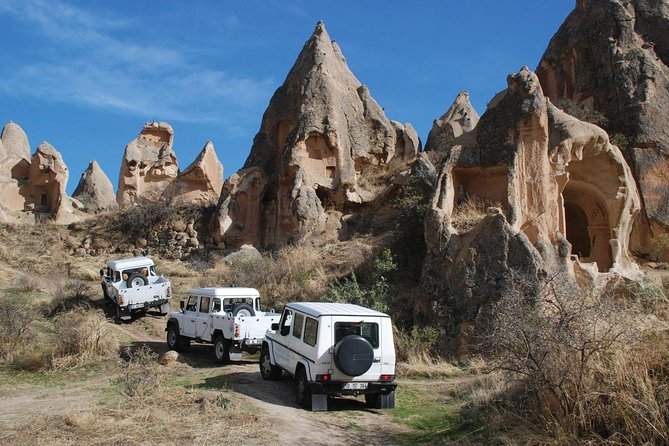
[85,62]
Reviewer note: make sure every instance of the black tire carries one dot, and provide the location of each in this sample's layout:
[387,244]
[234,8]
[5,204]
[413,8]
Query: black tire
[353,355]
[136,280]
[244,309]
[117,318]
[108,300]
[380,401]
[174,341]
[302,391]
[221,349]
[268,370]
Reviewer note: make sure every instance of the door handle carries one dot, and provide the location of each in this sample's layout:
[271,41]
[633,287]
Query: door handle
[204,322]
[192,320]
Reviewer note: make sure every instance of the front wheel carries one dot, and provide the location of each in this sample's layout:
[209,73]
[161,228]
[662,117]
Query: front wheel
[302,393]
[221,350]
[268,370]
[173,337]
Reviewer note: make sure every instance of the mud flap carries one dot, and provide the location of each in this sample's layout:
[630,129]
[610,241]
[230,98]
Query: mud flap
[319,402]
[165,308]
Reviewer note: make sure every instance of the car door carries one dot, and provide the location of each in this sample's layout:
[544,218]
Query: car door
[203,319]
[281,339]
[190,316]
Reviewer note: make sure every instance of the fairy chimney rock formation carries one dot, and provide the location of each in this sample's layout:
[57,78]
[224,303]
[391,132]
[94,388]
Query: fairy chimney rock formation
[321,134]
[15,158]
[95,191]
[547,185]
[149,165]
[201,182]
[460,118]
[613,56]
[47,181]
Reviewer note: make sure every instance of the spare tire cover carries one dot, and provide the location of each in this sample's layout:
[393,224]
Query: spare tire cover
[353,355]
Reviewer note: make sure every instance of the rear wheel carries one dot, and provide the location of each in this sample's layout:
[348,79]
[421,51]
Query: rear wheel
[380,401]
[302,392]
[221,349]
[268,370]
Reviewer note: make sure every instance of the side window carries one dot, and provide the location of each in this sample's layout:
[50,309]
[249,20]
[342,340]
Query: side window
[191,305]
[286,321]
[204,304]
[310,331]
[217,305]
[117,276]
[297,325]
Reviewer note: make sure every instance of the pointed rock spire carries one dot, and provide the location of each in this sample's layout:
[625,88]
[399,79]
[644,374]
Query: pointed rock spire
[321,133]
[95,191]
[202,180]
[460,118]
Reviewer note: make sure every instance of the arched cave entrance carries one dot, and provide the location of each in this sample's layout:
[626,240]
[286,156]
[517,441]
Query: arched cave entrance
[587,224]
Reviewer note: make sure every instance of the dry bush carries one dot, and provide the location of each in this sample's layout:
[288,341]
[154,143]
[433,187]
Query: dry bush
[469,212]
[70,295]
[18,315]
[593,368]
[142,373]
[416,354]
[80,336]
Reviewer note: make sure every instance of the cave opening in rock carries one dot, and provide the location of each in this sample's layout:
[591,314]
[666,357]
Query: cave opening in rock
[587,225]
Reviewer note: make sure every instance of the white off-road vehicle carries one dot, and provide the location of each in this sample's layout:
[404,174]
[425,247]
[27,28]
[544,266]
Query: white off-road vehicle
[332,349]
[133,285]
[228,318]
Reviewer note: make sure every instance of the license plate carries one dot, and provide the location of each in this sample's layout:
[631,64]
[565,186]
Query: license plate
[355,386]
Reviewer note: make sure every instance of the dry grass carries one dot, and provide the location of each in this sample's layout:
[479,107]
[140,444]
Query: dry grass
[177,416]
[470,212]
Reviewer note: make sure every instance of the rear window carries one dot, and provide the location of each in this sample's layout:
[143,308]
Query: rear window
[368,330]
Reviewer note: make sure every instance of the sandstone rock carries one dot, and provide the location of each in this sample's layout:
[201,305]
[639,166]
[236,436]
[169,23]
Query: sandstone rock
[169,357]
[95,190]
[460,118]
[554,186]
[15,142]
[613,56]
[321,134]
[246,253]
[201,182]
[47,181]
[149,165]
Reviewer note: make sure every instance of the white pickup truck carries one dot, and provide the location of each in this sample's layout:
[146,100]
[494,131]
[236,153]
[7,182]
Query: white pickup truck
[132,285]
[228,318]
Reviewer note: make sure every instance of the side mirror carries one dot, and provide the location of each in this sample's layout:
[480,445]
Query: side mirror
[181,305]
[275,326]
[285,330]
[102,272]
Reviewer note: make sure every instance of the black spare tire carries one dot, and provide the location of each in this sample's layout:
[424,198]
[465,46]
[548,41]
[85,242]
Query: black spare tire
[136,280]
[353,355]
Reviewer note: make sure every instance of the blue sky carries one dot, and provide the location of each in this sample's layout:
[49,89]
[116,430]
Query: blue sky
[86,76]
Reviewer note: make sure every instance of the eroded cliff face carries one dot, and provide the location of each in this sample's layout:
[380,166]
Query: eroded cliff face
[560,201]
[613,56]
[321,136]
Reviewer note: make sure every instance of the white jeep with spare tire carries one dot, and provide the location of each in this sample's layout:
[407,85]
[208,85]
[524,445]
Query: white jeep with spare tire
[228,318]
[132,285]
[332,349]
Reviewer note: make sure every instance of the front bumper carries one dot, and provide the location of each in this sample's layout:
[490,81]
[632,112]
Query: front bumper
[337,388]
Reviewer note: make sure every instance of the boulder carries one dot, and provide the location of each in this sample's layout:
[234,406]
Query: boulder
[47,180]
[556,201]
[149,165]
[612,56]
[320,137]
[201,182]
[95,190]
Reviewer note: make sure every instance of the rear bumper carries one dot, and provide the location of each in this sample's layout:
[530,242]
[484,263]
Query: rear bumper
[148,304]
[337,388]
